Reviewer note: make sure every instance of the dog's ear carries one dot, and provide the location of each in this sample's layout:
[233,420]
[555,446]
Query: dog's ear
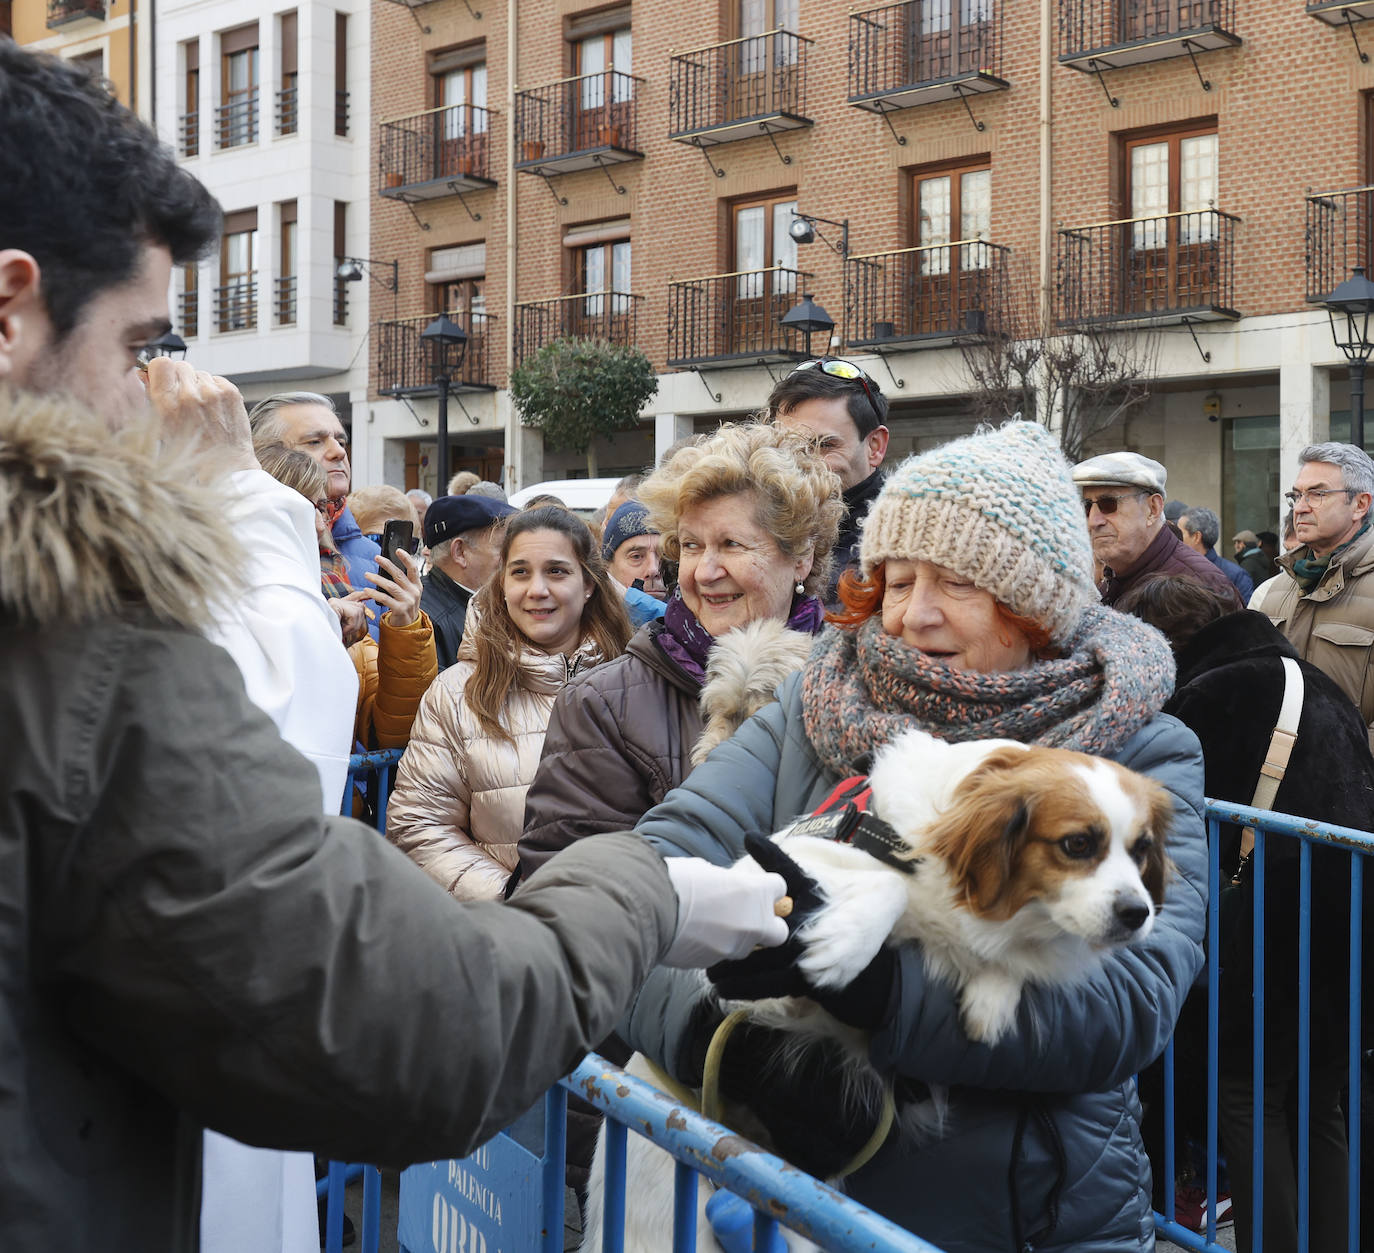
[982,835]
[1159,867]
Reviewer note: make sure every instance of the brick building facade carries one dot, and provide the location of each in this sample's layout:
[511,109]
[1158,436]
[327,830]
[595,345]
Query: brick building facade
[1149,166]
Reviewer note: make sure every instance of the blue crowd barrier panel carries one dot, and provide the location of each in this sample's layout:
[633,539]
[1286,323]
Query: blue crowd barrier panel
[508,1196]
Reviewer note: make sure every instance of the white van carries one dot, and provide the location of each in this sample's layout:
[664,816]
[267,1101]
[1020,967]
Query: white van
[583,496]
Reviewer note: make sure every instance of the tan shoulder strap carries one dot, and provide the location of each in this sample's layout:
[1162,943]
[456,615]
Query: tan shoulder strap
[1281,743]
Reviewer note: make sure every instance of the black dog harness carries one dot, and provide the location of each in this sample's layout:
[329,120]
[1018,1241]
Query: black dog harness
[844,817]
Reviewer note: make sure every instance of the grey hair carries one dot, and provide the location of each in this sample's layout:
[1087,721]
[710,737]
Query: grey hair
[441,550]
[1357,470]
[422,494]
[1203,523]
[487,488]
[266,423]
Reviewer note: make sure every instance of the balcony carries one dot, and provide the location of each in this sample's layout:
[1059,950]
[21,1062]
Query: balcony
[1339,236]
[609,315]
[403,367]
[727,318]
[236,305]
[340,301]
[908,54]
[288,118]
[60,12]
[188,134]
[285,300]
[925,296]
[236,123]
[441,152]
[1178,267]
[577,124]
[188,308]
[341,114]
[1341,12]
[735,90]
[1107,34]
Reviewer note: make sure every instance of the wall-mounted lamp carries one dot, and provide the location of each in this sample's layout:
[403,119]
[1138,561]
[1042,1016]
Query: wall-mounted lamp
[803,230]
[350,270]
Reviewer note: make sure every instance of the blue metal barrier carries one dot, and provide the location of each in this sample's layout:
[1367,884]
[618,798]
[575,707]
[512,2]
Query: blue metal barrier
[510,1193]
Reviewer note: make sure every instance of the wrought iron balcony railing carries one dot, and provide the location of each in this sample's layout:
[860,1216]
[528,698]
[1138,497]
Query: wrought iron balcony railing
[609,315]
[188,306]
[236,124]
[236,304]
[1171,268]
[441,152]
[340,301]
[286,300]
[403,367]
[911,53]
[1339,236]
[288,119]
[1341,12]
[577,123]
[341,113]
[1102,34]
[750,86]
[932,294]
[188,134]
[60,12]
[725,317]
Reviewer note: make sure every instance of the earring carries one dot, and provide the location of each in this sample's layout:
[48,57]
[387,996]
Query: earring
[801,587]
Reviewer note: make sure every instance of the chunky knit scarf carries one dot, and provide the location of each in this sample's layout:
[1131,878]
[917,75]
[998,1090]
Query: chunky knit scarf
[864,687]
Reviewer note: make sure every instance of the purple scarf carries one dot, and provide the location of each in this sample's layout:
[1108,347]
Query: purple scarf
[688,643]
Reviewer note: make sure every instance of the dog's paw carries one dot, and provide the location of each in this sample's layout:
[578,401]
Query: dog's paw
[844,935]
[988,1005]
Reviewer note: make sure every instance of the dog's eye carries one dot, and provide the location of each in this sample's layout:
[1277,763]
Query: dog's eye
[1142,848]
[1079,845]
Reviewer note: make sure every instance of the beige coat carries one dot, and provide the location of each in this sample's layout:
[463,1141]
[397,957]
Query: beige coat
[1332,626]
[459,802]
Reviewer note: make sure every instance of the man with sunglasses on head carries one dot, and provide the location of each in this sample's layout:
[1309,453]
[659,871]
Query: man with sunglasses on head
[834,402]
[1123,502]
[1323,598]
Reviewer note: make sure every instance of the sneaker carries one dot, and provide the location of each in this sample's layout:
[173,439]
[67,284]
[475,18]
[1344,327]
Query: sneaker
[1190,1209]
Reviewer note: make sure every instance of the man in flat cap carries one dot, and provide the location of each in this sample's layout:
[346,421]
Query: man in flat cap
[1251,557]
[463,535]
[1123,500]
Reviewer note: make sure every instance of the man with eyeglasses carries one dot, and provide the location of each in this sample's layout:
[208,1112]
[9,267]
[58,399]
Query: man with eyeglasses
[833,402]
[1123,502]
[1323,598]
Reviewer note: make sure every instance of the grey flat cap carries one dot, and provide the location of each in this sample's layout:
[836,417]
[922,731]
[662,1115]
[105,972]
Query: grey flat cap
[1121,469]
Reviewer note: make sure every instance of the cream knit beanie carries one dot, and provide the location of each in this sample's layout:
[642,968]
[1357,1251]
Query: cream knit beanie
[1000,509]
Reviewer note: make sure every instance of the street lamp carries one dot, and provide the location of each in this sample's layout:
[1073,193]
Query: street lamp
[1349,307]
[168,344]
[808,318]
[445,343]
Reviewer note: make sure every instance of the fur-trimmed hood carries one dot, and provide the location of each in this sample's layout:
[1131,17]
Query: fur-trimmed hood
[96,522]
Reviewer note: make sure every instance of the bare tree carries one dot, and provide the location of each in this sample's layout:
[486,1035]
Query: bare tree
[1090,374]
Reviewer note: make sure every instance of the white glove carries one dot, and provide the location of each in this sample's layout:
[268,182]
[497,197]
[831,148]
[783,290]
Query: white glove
[722,913]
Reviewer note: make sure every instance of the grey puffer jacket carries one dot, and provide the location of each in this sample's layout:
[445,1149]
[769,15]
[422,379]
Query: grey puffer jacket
[1073,1052]
[185,940]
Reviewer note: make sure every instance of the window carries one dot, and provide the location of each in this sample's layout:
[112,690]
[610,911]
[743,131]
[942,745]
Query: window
[237,306]
[457,287]
[757,18]
[92,62]
[238,111]
[288,107]
[286,264]
[605,268]
[340,252]
[1171,186]
[953,206]
[762,244]
[190,301]
[341,74]
[190,99]
[462,121]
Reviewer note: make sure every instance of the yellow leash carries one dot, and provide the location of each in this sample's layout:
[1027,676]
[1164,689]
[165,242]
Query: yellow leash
[708,1103]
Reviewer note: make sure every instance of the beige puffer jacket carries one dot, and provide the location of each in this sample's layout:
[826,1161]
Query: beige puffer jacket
[459,802]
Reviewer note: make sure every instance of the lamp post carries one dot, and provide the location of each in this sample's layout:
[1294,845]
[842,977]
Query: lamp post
[808,318]
[445,342]
[1349,308]
[168,344]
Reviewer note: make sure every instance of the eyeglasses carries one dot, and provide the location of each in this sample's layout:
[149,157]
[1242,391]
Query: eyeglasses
[1315,495]
[839,368]
[1107,505]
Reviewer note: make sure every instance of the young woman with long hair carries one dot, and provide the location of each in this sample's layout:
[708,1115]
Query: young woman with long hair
[548,613]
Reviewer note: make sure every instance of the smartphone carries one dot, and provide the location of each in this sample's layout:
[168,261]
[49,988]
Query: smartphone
[397,536]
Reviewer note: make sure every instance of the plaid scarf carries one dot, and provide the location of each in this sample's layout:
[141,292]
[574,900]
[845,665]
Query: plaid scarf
[864,687]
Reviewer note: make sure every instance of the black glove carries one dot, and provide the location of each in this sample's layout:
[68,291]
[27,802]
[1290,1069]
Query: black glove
[770,972]
[804,1105]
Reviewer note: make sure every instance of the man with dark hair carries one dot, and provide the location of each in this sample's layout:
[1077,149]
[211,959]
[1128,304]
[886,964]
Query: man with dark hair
[833,402]
[187,939]
[1201,528]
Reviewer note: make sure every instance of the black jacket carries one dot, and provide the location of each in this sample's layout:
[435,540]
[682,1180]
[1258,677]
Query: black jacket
[858,500]
[1230,687]
[446,603]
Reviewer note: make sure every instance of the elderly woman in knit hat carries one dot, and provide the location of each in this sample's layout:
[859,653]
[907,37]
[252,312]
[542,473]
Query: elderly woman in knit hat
[975,616]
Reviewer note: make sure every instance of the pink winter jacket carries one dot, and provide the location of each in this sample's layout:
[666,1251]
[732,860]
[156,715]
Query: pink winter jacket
[459,802]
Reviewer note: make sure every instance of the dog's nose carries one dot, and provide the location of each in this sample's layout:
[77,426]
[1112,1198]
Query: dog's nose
[1131,912]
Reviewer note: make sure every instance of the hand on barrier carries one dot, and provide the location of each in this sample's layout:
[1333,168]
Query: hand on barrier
[770,972]
[722,912]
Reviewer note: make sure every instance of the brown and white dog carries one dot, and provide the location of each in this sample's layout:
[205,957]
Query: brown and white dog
[1029,864]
